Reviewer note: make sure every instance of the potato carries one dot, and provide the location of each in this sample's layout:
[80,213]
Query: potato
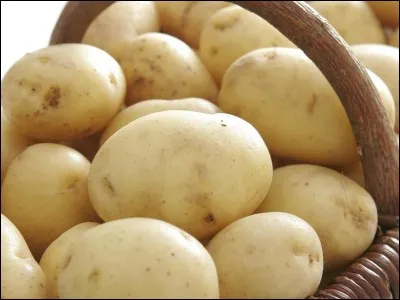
[12,143]
[386,11]
[394,39]
[353,20]
[159,66]
[87,146]
[185,19]
[233,32]
[45,193]
[138,258]
[269,256]
[342,213]
[383,61]
[197,171]
[298,121]
[55,256]
[150,106]
[63,92]
[119,24]
[21,275]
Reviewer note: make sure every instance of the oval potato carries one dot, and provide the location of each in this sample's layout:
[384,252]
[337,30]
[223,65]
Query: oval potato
[386,11]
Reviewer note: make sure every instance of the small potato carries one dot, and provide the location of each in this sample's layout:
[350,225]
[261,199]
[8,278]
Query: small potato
[267,256]
[383,60]
[233,32]
[55,256]
[45,193]
[298,121]
[394,39]
[342,213]
[119,24]
[159,66]
[185,19]
[386,11]
[138,258]
[197,171]
[63,92]
[353,20]
[151,106]
[12,144]
[21,275]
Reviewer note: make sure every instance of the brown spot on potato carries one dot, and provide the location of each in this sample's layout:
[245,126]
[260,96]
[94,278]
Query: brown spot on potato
[94,275]
[271,55]
[311,105]
[250,249]
[226,25]
[67,262]
[201,171]
[73,184]
[44,59]
[168,273]
[214,51]
[148,269]
[112,79]
[108,185]
[52,97]
[209,218]
[187,284]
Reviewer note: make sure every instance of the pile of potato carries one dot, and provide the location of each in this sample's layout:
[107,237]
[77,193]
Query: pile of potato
[186,149]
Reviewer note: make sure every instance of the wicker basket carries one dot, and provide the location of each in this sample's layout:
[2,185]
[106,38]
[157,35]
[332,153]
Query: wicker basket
[376,274]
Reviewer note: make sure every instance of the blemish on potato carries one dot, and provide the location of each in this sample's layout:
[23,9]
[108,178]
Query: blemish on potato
[112,79]
[73,184]
[187,284]
[251,249]
[168,273]
[108,185]
[44,59]
[209,218]
[185,235]
[94,275]
[311,105]
[226,25]
[271,55]
[148,269]
[214,51]
[67,262]
[52,97]
[201,171]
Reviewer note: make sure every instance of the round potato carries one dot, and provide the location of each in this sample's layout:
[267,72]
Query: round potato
[12,143]
[383,60]
[300,122]
[21,275]
[159,66]
[386,11]
[394,39]
[185,19]
[119,24]
[267,256]
[151,106]
[55,256]
[232,32]
[197,171]
[342,213]
[353,20]
[138,258]
[45,193]
[63,92]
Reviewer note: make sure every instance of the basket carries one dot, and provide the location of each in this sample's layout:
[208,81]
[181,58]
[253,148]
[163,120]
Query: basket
[376,274]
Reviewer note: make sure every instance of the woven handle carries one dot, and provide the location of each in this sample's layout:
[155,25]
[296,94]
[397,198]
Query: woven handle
[330,53]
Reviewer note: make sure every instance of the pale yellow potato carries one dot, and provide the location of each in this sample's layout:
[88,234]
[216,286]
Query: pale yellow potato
[394,40]
[267,256]
[119,24]
[63,92]
[197,171]
[232,32]
[21,275]
[160,66]
[138,258]
[12,143]
[45,193]
[151,106]
[288,100]
[386,11]
[342,213]
[353,20]
[185,19]
[383,60]
[55,256]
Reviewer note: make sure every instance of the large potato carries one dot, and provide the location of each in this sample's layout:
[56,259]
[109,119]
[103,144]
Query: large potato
[267,256]
[159,66]
[394,40]
[185,19]
[233,32]
[197,171]
[138,258]
[63,92]
[119,24]
[383,61]
[45,193]
[151,106]
[56,255]
[353,20]
[288,100]
[342,213]
[21,275]
[12,144]
[386,11]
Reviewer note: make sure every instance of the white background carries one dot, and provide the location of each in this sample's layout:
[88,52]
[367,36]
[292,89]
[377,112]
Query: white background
[26,26]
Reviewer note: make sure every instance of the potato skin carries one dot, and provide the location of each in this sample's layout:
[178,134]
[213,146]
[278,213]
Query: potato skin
[63,92]
[21,275]
[151,106]
[267,256]
[342,213]
[55,256]
[204,163]
[138,258]
[45,193]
